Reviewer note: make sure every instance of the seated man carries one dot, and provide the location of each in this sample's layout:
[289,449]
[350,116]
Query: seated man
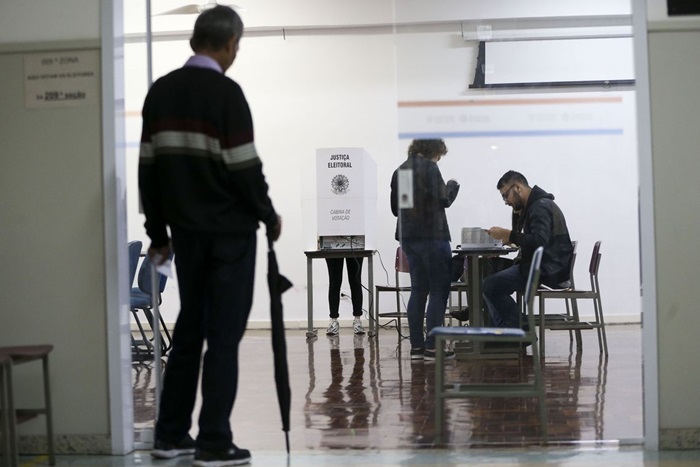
[539,222]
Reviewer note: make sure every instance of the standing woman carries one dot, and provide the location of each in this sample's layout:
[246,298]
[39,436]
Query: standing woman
[335,279]
[424,235]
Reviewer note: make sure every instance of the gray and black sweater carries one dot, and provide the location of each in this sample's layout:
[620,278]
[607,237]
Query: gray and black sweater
[198,167]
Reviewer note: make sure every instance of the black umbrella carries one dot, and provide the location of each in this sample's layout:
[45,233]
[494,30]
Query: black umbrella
[278,284]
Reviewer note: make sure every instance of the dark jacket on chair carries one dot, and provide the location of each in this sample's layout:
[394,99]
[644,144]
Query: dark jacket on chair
[543,224]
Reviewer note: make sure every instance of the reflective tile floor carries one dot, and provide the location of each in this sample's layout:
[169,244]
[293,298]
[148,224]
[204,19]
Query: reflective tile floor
[357,401]
[356,392]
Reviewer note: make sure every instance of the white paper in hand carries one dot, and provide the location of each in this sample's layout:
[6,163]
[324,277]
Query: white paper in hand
[166,268]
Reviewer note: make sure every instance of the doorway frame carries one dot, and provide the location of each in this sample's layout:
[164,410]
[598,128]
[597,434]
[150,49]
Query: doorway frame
[116,262]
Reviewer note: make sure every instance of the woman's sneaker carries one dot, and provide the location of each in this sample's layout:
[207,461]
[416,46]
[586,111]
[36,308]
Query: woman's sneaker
[430,355]
[333,328]
[357,326]
[417,354]
[231,456]
[165,450]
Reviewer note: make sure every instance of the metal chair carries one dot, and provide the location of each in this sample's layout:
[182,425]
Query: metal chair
[141,300]
[460,287]
[554,318]
[134,249]
[139,348]
[10,357]
[457,389]
[400,266]
[573,295]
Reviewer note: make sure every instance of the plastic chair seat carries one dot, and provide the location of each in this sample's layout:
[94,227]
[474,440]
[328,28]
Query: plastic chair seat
[139,299]
[142,301]
[487,333]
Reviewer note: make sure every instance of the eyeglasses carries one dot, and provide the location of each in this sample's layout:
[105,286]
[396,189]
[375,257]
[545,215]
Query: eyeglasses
[505,193]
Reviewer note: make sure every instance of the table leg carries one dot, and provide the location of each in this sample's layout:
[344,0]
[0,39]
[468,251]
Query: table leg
[373,324]
[310,331]
[475,349]
[474,291]
[475,312]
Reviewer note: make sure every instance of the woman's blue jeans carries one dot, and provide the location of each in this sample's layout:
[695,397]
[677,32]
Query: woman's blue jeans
[430,263]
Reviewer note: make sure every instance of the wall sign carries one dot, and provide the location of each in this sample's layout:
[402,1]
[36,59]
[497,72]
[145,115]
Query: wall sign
[61,79]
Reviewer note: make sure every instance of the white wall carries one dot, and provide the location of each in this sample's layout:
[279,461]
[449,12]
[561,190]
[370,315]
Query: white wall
[330,88]
[594,178]
[45,20]
[340,94]
[52,283]
[674,64]
[418,10]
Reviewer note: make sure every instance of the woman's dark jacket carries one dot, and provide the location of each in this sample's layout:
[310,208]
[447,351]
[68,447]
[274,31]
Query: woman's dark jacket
[431,195]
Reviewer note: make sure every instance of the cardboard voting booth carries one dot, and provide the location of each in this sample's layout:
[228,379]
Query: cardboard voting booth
[345,199]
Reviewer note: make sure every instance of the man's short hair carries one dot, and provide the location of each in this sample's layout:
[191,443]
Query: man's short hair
[428,148]
[214,28]
[511,177]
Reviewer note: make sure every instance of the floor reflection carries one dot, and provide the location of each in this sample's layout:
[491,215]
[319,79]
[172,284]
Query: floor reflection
[356,392]
[348,406]
[144,394]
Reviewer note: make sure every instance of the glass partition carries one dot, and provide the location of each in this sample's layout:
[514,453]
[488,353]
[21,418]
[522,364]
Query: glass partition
[383,75]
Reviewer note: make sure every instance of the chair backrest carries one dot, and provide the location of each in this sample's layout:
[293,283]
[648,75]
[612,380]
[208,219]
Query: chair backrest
[574,245]
[595,260]
[401,263]
[134,248]
[144,280]
[533,281]
[594,266]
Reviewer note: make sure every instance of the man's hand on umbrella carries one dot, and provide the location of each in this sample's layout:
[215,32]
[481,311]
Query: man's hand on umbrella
[274,232]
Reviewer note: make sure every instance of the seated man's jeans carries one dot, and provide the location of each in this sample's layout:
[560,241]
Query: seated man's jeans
[497,291]
[429,262]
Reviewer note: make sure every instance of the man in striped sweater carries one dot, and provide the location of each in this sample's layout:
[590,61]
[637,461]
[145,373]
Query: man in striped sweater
[200,175]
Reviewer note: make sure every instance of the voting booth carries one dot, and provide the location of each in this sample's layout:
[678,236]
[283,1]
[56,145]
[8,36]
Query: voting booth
[345,199]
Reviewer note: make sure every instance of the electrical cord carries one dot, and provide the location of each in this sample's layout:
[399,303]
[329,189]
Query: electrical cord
[392,322]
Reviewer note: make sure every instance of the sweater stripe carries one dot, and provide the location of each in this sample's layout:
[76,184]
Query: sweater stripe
[198,144]
[185,141]
[146,155]
[241,156]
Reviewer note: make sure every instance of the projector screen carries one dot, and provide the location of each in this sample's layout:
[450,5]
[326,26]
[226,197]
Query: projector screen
[555,62]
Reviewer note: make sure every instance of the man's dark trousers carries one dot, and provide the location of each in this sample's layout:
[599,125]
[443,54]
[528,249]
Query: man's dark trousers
[215,277]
